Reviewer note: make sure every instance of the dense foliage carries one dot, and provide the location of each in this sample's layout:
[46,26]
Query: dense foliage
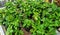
[39,17]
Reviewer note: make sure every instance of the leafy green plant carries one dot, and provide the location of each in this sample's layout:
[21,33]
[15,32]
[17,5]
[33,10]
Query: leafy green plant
[42,17]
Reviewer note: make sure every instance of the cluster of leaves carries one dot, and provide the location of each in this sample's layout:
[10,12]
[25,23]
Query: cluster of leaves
[42,17]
